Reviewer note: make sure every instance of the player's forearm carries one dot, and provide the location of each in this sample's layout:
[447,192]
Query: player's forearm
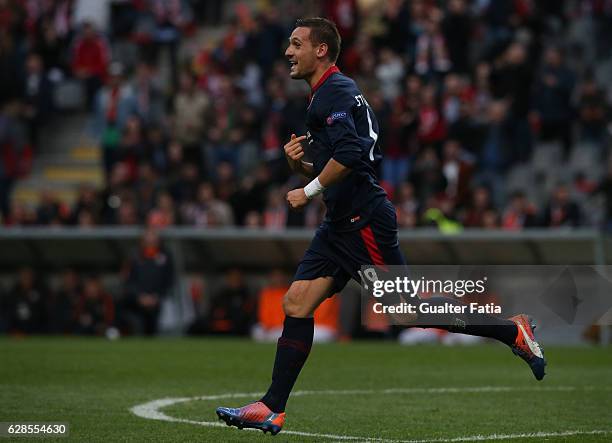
[301,167]
[307,169]
[333,172]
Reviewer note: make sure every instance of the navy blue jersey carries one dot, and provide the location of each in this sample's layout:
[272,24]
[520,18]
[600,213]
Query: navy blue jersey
[341,125]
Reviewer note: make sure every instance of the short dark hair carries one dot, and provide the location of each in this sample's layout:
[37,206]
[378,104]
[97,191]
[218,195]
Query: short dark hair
[325,31]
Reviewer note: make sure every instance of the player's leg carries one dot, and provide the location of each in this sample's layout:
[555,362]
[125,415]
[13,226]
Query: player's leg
[465,322]
[516,332]
[317,277]
[292,350]
[293,347]
[381,243]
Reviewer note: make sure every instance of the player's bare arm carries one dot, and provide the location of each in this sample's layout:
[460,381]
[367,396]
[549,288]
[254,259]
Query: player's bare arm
[333,172]
[294,153]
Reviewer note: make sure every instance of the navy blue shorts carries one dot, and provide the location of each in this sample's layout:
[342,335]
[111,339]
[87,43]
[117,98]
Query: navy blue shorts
[342,254]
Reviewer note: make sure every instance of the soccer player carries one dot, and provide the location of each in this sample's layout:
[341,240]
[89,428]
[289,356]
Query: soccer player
[360,226]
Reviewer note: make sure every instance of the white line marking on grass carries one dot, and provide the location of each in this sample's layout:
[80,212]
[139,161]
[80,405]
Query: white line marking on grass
[509,436]
[152,411]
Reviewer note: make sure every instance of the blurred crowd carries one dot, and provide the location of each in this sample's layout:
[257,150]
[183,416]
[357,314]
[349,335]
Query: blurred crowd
[73,302]
[81,303]
[191,123]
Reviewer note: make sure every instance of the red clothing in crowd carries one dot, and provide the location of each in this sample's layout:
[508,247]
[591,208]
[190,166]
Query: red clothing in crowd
[92,56]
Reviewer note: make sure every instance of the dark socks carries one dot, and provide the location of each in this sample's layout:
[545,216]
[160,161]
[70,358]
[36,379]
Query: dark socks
[482,325]
[292,351]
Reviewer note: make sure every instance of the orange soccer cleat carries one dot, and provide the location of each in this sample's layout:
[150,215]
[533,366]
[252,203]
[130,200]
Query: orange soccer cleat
[526,346]
[255,415]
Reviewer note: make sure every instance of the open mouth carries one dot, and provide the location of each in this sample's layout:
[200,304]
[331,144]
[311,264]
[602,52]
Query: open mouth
[292,64]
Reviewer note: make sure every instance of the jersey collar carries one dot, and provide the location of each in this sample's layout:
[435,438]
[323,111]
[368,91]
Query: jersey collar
[332,69]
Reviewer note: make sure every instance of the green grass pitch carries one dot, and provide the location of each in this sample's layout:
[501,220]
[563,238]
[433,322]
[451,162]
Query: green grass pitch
[430,393]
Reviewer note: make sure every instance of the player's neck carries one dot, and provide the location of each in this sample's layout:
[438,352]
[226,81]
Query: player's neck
[318,74]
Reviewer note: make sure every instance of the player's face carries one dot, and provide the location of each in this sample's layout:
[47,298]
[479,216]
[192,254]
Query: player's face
[301,53]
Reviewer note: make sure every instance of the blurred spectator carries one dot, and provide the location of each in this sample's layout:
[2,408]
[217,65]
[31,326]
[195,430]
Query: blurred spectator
[402,134]
[561,211]
[275,213]
[439,215]
[183,182]
[51,211]
[553,110]
[427,175]
[62,304]
[95,309]
[86,219]
[490,219]
[87,200]
[37,96]
[20,215]
[132,146]
[148,188]
[482,91]
[9,63]
[346,16]
[25,304]
[494,155]
[164,213]
[116,195]
[51,44]
[511,81]
[519,214]
[432,126]
[457,167]
[15,153]
[455,95]
[431,56]
[389,73]
[127,215]
[156,152]
[148,95]
[267,39]
[90,59]
[231,307]
[115,103]
[207,210]
[169,18]
[190,113]
[149,281]
[592,109]
[406,205]
[253,220]
[457,27]
[479,209]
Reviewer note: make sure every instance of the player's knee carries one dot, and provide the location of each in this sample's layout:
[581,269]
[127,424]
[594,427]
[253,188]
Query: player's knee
[294,306]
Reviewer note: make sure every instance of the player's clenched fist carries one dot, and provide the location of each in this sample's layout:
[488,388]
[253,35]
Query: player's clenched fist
[293,148]
[297,198]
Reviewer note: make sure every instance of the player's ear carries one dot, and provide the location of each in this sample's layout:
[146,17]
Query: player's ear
[322,50]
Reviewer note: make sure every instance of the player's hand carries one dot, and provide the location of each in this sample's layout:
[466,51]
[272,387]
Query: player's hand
[293,148]
[297,198]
